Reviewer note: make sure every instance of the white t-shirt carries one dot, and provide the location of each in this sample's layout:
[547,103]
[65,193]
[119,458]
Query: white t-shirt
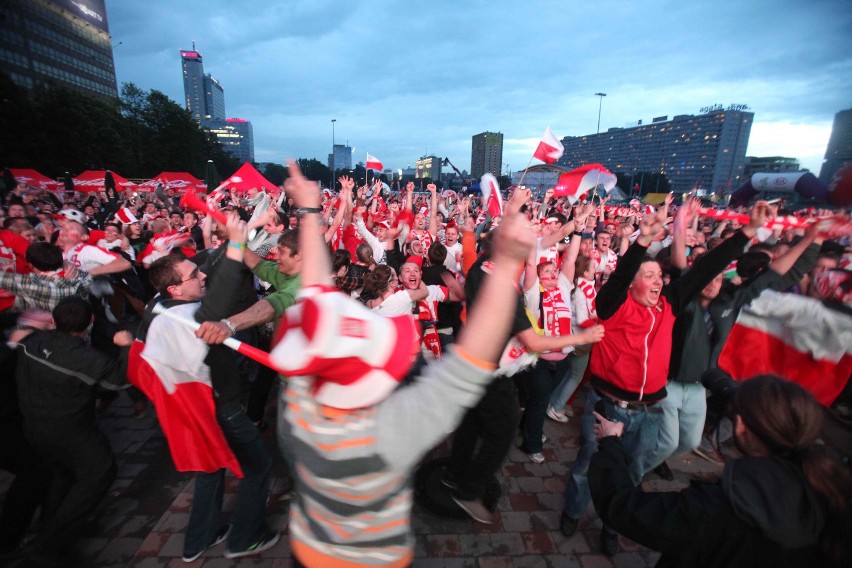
[88,257]
[450,262]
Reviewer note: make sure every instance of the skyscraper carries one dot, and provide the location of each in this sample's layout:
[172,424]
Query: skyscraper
[193,83]
[236,136]
[839,150]
[707,150]
[205,101]
[342,158]
[59,40]
[486,154]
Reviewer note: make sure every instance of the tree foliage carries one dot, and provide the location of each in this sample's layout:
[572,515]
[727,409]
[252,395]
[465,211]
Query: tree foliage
[54,129]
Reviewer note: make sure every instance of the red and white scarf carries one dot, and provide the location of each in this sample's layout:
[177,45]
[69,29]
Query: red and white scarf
[554,313]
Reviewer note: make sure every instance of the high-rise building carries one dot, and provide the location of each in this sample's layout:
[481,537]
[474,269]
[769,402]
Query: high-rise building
[706,150]
[236,136]
[65,41]
[839,150]
[341,159]
[428,167]
[486,154]
[214,99]
[770,164]
[193,83]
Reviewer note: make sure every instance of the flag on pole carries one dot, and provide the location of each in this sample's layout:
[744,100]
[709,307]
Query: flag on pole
[491,195]
[585,178]
[794,337]
[549,148]
[373,163]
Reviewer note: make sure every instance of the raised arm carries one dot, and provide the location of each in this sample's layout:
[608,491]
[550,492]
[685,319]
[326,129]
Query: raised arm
[316,268]
[433,210]
[569,261]
[682,221]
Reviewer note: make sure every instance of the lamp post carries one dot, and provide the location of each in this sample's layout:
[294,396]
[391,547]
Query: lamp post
[600,104]
[331,185]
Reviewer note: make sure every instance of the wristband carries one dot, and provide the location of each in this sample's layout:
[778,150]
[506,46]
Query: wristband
[580,233]
[238,246]
[231,326]
[302,211]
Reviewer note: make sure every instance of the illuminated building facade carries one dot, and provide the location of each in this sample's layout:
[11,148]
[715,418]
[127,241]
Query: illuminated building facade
[236,137]
[706,150]
[66,41]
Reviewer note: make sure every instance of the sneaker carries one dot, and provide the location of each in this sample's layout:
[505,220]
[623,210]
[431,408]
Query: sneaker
[476,509]
[664,472]
[567,525]
[554,414]
[537,457]
[609,542]
[219,538]
[265,543]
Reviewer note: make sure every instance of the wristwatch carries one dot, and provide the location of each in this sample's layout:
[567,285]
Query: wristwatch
[302,211]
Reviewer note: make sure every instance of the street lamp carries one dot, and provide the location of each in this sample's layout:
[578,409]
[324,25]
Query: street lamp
[331,185]
[600,104]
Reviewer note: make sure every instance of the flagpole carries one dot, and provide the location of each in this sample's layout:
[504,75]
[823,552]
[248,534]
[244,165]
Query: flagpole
[521,181]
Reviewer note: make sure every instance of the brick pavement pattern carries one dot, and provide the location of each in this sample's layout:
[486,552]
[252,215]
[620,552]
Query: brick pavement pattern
[142,523]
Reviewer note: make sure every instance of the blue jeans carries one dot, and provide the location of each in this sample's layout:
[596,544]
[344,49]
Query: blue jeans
[247,519]
[570,382]
[682,420]
[541,380]
[639,440]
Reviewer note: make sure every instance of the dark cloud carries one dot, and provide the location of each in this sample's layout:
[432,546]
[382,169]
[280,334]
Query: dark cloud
[404,78]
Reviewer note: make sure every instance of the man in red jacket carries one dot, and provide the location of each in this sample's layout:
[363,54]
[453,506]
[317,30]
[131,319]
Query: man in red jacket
[630,366]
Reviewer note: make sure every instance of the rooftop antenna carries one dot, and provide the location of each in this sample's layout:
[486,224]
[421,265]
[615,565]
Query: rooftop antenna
[193,45]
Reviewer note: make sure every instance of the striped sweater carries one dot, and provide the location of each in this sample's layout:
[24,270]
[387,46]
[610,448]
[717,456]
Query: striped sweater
[353,507]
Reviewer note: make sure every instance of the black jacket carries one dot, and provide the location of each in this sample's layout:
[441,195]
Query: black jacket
[58,375]
[762,513]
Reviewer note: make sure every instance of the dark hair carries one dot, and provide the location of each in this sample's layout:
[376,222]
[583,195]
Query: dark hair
[185,213]
[376,282]
[163,273]
[113,224]
[752,263]
[44,256]
[581,265]
[787,420]
[290,239]
[437,254]
[339,259]
[72,315]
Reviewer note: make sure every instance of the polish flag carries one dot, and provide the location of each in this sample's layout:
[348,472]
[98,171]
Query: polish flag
[549,148]
[794,337]
[373,163]
[491,195]
[585,178]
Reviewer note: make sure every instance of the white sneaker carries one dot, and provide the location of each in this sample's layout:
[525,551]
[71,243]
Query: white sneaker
[537,457]
[554,414]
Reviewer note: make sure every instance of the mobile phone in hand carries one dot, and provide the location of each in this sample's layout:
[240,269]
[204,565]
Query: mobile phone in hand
[605,409]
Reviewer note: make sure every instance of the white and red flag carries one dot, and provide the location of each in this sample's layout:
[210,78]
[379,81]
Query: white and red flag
[549,148]
[373,163]
[585,178]
[795,337]
[491,195]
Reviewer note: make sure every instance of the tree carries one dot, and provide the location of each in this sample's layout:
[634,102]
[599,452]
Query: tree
[314,169]
[276,173]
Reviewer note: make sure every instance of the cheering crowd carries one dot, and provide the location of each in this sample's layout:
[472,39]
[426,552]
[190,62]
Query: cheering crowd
[380,322]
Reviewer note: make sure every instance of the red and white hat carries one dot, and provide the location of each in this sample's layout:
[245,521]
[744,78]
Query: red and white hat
[125,216]
[356,356]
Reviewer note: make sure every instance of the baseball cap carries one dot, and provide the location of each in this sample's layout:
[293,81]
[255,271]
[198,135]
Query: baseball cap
[357,357]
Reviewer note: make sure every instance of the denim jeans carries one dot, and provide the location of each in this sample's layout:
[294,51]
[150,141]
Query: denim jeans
[247,519]
[570,382]
[682,420]
[541,380]
[639,440]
